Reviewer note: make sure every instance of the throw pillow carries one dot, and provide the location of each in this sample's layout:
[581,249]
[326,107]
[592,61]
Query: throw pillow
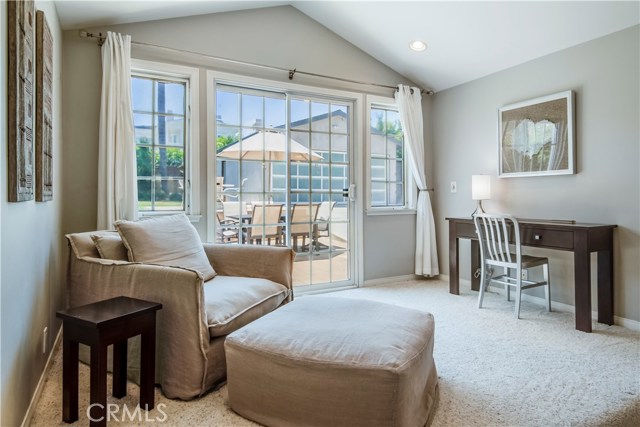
[110,246]
[166,240]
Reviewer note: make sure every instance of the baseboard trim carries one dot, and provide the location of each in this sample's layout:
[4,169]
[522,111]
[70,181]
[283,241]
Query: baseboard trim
[389,280]
[43,378]
[634,325]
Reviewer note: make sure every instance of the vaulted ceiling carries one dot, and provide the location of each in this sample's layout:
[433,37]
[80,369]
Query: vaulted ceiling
[465,40]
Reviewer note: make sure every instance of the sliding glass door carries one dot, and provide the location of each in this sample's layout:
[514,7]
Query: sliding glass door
[283,174]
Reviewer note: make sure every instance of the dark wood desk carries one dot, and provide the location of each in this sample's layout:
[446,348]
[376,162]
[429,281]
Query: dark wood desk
[581,239]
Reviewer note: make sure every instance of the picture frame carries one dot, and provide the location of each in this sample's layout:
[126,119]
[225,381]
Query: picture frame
[20,168]
[44,109]
[537,137]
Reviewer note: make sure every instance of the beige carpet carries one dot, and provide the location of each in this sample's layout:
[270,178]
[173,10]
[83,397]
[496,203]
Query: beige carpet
[494,370]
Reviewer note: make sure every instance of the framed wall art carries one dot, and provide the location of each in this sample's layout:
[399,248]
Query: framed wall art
[21,21]
[536,137]
[44,118]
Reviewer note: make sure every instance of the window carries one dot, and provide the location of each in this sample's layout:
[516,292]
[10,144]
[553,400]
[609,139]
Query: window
[387,170]
[162,96]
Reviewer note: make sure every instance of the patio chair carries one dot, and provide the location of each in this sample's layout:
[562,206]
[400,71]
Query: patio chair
[225,230]
[303,216]
[233,211]
[233,192]
[265,224]
[322,224]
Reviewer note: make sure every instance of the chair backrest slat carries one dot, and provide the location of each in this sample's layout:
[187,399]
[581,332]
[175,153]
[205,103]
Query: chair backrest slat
[506,240]
[503,239]
[493,234]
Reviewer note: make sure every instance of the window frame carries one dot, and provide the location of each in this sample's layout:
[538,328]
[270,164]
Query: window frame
[374,102]
[189,75]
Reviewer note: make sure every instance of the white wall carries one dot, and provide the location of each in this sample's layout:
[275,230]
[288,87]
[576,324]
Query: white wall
[605,77]
[30,246]
[280,36]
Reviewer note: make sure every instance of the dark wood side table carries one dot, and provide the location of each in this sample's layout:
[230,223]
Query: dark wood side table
[579,238]
[99,325]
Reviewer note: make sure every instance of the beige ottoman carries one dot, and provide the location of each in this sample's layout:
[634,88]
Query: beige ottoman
[325,361]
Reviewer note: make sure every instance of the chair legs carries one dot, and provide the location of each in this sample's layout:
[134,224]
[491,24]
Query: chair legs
[483,285]
[547,288]
[518,296]
[516,282]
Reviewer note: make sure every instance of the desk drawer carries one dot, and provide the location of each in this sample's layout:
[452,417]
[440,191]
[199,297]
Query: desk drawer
[547,238]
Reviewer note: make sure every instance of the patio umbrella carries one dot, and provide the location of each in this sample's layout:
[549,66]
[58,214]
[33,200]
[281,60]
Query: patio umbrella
[274,146]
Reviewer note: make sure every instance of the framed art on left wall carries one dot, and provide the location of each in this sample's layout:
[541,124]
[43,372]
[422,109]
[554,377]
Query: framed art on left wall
[21,21]
[44,105]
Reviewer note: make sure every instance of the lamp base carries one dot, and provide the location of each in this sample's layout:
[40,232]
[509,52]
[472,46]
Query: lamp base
[478,210]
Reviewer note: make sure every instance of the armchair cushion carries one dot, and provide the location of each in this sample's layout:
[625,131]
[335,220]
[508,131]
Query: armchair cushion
[233,302]
[110,246]
[167,240]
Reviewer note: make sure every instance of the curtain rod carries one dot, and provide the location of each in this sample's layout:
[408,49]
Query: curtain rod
[100,37]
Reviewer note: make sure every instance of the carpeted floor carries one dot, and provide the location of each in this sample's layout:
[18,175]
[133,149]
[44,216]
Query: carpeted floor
[494,370]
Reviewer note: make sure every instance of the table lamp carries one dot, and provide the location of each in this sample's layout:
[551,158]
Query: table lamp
[480,190]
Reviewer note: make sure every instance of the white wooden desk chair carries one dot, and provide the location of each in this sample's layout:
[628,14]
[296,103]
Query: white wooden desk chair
[495,251]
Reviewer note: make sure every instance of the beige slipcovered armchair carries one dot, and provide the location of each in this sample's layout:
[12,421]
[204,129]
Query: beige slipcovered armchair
[196,315]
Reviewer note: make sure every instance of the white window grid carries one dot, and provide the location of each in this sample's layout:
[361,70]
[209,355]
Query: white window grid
[153,179]
[378,164]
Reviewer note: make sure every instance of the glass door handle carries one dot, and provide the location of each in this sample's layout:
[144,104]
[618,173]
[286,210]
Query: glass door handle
[350,192]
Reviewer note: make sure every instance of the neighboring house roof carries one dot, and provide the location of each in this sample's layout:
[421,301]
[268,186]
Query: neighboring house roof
[337,113]
[297,123]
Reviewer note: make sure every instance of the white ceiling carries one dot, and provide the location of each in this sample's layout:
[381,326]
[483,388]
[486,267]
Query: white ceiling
[466,40]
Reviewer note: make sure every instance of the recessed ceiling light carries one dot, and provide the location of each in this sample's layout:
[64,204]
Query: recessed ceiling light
[417,45]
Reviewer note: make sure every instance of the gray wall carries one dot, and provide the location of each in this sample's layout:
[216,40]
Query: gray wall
[31,245]
[604,75]
[280,36]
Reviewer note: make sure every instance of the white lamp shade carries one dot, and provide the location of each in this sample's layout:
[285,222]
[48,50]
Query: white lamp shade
[480,187]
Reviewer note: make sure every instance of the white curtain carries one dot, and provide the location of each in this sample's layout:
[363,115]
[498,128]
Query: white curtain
[117,188]
[409,105]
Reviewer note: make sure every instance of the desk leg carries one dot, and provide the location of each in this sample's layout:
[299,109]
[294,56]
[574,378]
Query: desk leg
[148,368]
[69,380]
[98,405]
[475,264]
[454,283]
[120,369]
[582,268]
[605,286]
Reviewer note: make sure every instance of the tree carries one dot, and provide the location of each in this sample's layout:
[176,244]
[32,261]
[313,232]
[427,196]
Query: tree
[392,128]
[143,158]
[225,140]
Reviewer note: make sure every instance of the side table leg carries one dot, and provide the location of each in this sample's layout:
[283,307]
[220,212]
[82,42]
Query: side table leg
[120,369]
[148,368]
[69,380]
[98,405]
